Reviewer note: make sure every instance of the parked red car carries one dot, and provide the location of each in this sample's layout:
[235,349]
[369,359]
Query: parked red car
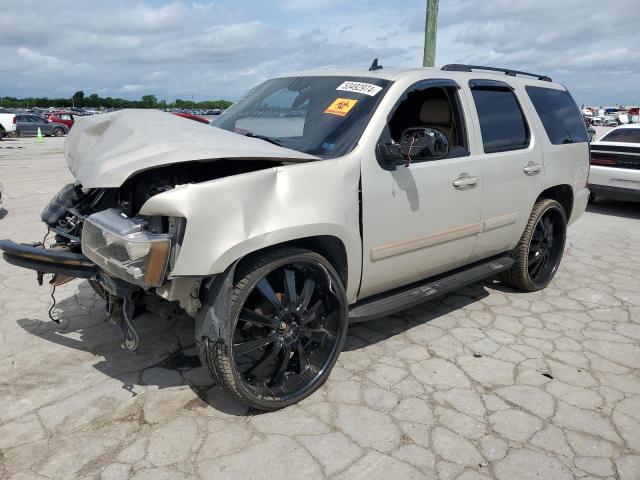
[61,117]
[191,116]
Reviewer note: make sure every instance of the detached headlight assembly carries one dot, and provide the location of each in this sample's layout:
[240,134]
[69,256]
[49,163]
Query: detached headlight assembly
[122,247]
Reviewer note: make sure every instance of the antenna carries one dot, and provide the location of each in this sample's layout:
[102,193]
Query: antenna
[374,65]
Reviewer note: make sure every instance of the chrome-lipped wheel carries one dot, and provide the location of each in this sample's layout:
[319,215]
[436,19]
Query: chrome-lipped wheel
[289,331]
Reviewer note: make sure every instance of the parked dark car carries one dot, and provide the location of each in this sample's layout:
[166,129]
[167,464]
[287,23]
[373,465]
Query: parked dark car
[27,125]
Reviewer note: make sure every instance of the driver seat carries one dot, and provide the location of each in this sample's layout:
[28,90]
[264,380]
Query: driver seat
[436,113]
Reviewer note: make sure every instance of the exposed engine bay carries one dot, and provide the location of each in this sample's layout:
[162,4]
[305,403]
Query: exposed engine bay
[66,212]
[133,253]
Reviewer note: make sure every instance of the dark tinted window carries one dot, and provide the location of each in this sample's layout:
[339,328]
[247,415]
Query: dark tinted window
[502,124]
[624,135]
[559,114]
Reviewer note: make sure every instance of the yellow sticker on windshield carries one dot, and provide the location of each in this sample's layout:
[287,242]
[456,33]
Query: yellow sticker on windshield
[341,106]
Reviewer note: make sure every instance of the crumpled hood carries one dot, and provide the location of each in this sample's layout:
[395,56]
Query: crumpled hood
[104,150]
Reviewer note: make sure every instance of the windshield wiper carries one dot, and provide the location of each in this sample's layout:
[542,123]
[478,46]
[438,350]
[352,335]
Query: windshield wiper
[263,137]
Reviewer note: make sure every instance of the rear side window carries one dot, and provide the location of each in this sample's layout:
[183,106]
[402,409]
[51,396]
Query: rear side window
[502,123]
[559,114]
[623,135]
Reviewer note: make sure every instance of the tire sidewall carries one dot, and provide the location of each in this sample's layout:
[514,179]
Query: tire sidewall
[238,302]
[552,205]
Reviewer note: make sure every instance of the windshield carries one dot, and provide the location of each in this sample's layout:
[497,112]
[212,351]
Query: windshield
[322,116]
[623,135]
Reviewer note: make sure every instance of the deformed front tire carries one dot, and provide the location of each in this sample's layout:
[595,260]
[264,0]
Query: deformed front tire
[539,252]
[287,326]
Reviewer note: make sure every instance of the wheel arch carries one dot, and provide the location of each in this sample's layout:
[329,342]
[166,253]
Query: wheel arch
[563,194]
[330,247]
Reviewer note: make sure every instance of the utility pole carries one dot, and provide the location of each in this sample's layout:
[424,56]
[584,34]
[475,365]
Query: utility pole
[430,33]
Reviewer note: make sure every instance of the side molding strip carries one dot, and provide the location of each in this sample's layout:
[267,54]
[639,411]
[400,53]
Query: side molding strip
[404,246]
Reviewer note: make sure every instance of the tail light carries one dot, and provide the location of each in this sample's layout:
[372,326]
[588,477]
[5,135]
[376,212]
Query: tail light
[603,160]
[14,120]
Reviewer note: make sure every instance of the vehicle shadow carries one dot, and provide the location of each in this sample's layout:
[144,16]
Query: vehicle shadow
[364,334]
[605,206]
[167,356]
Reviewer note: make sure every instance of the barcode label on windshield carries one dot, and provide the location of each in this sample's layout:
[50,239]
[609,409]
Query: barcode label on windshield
[358,87]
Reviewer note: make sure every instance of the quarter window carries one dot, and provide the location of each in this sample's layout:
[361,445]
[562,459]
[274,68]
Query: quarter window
[559,115]
[502,122]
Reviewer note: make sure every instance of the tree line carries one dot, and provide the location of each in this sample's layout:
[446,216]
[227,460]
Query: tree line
[95,101]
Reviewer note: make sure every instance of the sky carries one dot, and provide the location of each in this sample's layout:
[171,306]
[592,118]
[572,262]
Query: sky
[219,49]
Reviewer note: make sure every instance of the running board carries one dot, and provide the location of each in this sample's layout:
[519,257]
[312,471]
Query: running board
[396,300]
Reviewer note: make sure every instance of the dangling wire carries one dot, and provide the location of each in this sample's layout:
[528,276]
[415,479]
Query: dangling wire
[57,317]
[45,237]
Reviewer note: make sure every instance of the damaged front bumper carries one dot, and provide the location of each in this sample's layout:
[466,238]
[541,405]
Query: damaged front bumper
[46,260]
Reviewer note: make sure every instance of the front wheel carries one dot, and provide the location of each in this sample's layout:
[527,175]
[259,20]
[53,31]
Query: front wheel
[538,255]
[288,324]
[58,132]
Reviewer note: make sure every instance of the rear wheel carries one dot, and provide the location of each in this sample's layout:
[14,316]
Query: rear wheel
[288,325]
[538,255]
[58,132]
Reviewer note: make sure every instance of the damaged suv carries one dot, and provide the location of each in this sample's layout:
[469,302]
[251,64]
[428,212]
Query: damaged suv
[317,199]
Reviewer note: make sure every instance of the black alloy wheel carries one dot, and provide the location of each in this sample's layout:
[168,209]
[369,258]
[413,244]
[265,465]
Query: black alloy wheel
[539,252]
[546,247]
[289,321]
[58,132]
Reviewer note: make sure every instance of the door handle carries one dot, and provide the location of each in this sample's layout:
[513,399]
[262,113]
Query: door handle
[532,168]
[465,182]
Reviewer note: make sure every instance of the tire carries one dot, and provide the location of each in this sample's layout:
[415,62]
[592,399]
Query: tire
[539,252]
[300,335]
[58,132]
[1,134]
[592,197]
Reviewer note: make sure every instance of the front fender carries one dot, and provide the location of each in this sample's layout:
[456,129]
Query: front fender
[231,217]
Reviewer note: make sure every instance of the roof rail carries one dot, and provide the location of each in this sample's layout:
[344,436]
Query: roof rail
[459,67]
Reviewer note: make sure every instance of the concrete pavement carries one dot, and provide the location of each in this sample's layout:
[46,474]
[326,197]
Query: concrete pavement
[485,383]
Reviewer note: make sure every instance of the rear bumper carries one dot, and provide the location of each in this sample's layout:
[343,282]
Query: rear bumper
[615,183]
[46,260]
[616,193]
[622,178]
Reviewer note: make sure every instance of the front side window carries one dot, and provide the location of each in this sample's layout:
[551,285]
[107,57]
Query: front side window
[623,135]
[322,116]
[436,107]
[559,115]
[502,122]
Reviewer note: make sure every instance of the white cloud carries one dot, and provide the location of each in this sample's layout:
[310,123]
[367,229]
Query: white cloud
[132,88]
[219,49]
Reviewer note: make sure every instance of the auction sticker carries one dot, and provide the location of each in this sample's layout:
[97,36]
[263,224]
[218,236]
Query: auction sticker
[359,87]
[341,106]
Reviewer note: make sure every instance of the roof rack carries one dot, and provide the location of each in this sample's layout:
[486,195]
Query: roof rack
[459,67]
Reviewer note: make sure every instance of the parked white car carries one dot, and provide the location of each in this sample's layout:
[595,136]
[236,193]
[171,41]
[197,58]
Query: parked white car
[7,124]
[615,164]
[320,198]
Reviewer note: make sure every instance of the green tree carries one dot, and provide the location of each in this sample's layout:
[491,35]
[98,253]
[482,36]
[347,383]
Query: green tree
[149,101]
[94,100]
[78,98]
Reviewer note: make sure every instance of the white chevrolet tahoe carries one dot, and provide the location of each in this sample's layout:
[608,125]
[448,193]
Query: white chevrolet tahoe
[7,124]
[317,199]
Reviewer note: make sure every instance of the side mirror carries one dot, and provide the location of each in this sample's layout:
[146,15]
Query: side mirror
[415,144]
